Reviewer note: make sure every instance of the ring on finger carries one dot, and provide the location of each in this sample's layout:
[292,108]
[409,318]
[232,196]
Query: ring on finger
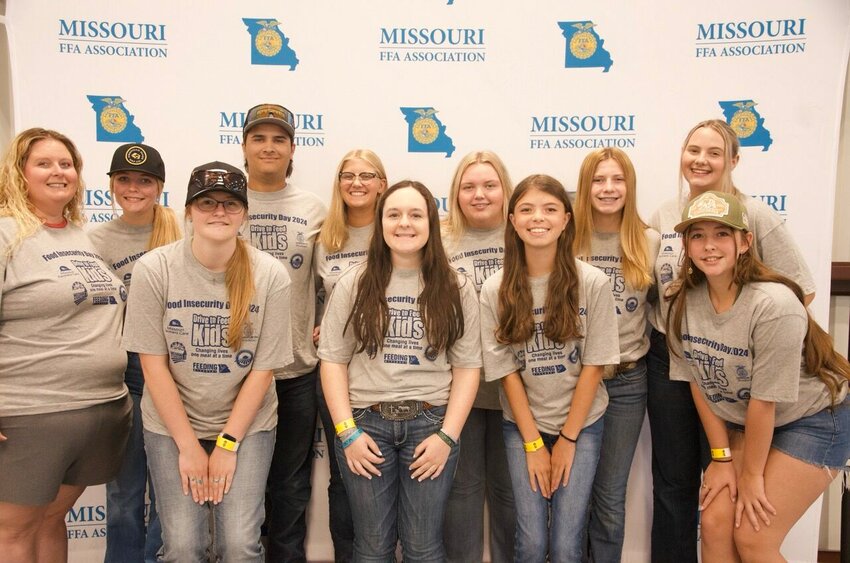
[200,481]
[192,480]
[216,480]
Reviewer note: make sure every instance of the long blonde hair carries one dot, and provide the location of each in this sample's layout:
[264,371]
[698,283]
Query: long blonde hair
[636,266]
[14,200]
[334,233]
[165,227]
[455,223]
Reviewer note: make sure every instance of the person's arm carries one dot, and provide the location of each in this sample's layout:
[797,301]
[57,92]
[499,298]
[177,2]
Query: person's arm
[222,463]
[564,450]
[362,453]
[538,461]
[719,474]
[758,434]
[193,460]
[432,453]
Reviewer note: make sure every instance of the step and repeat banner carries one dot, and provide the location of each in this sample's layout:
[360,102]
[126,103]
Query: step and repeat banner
[422,83]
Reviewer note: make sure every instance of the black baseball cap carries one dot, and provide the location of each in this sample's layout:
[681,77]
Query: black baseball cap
[217,177]
[138,158]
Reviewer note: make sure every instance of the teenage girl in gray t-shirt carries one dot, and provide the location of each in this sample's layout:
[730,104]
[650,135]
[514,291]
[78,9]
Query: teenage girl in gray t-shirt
[400,365]
[768,386]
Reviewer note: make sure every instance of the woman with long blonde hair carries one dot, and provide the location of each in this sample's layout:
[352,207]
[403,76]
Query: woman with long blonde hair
[611,236]
[343,242]
[64,411]
[547,331]
[136,182]
[474,239]
[204,317]
[709,154]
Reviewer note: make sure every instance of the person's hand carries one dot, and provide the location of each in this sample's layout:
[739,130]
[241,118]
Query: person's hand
[539,471]
[431,455]
[561,460]
[717,477]
[362,455]
[752,501]
[193,465]
[222,468]
[2,437]
[316,331]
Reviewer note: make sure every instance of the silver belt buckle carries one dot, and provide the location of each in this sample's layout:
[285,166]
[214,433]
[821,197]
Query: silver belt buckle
[400,410]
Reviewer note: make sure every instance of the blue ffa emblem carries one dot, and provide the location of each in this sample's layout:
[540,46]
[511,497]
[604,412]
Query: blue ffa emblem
[80,292]
[114,122]
[425,131]
[244,358]
[296,261]
[748,125]
[269,46]
[584,46]
[177,352]
[631,304]
[574,355]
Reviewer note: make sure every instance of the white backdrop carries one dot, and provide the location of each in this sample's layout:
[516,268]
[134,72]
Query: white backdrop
[423,82]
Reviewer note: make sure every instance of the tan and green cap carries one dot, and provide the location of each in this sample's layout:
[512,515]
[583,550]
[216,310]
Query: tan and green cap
[719,207]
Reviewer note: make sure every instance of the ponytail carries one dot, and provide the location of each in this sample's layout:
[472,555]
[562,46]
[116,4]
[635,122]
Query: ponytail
[165,228]
[239,280]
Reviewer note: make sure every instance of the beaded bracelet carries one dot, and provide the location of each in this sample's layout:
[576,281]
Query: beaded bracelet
[350,440]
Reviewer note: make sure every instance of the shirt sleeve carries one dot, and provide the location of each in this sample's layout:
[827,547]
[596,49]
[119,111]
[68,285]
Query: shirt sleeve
[336,345]
[274,346]
[601,344]
[466,351]
[499,359]
[143,330]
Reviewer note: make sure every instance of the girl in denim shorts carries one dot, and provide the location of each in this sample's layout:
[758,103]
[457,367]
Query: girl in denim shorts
[768,386]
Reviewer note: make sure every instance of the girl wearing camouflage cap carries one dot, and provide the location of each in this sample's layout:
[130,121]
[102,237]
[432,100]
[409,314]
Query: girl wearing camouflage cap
[768,386]
[136,182]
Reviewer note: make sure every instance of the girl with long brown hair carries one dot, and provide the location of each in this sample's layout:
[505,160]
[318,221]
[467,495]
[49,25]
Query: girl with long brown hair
[205,318]
[400,355]
[548,329]
[768,386]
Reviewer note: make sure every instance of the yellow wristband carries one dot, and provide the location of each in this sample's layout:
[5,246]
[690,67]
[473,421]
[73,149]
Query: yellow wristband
[344,425]
[534,445]
[227,442]
[721,453]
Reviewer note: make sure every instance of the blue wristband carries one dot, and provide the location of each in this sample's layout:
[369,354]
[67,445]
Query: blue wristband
[350,440]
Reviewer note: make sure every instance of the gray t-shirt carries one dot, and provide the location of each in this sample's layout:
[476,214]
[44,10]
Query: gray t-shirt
[772,242]
[284,224]
[753,350]
[329,267]
[550,370]
[61,311]
[478,255]
[407,367]
[180,309]
[121,244]
[631,304]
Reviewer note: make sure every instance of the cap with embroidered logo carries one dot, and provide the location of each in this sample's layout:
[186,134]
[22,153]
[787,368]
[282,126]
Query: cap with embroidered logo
[719,207]
[138,158]
[270,113]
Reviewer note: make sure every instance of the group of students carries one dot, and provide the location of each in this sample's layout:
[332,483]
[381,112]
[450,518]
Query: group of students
[508,351]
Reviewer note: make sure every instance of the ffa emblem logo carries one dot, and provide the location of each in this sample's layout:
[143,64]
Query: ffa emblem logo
[268,40]
[425,130]
[269,45]
[743,117]
[426,133]
[114,122]
[743,121]
[583,44]
[112,118]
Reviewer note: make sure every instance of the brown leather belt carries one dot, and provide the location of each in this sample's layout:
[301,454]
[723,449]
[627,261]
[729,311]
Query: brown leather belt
[611,370]
[400,410]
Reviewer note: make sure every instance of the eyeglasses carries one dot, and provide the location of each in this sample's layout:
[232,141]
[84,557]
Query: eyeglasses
[209,205]
[365,177]
[233,181]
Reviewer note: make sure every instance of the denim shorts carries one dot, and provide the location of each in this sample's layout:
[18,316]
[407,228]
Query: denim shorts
[822,439]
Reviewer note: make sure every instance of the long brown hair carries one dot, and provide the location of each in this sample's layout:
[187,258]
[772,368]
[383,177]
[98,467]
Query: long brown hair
[636,266]
[14,200]
[439,302]
[516,322]
[819,355]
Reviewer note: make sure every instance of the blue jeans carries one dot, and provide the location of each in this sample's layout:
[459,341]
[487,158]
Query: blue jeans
[679,451]
[237,518]
[552,526]
[292,464]
[623,421]
[126,539]
[482,470]
[339,510]
[394,505]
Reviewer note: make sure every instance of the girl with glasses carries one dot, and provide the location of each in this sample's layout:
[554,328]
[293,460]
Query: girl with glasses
[136,181]
[400,355]
[547,330]
[205,319]
[343,242]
